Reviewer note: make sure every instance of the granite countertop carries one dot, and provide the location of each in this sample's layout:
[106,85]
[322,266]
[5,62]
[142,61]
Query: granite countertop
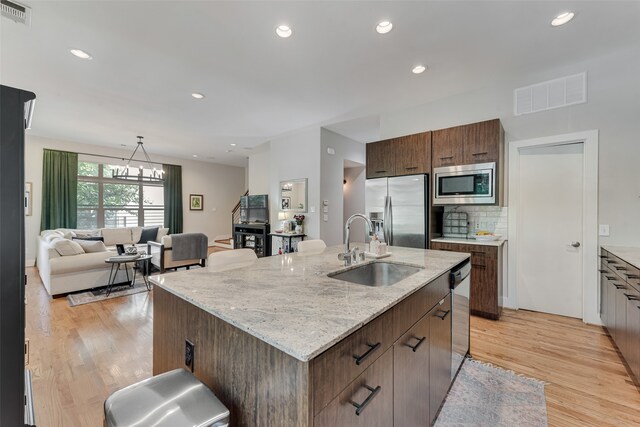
[625,253]
[289,302]
[497,243]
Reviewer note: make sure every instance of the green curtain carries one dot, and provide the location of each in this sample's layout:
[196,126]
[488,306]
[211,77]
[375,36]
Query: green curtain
[173,198]
[59,190]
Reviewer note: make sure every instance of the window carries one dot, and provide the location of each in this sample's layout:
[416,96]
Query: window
[105,202]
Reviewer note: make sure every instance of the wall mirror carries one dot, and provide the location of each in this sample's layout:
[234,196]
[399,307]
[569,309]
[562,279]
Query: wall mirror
[293,195]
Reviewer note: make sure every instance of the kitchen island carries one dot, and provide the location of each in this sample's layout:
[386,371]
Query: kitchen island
[281,343]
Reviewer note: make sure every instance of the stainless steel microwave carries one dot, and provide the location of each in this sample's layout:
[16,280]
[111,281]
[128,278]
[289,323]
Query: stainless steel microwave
[465,185]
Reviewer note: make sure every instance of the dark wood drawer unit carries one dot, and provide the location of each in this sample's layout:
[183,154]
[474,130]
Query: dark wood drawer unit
[486,277]
[620,307]
[381,159]
[366,402]
[439,354]
[334,369]
[409,311]
[413,154]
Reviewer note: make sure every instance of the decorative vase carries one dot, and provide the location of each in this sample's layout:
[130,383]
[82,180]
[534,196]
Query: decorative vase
[298,228]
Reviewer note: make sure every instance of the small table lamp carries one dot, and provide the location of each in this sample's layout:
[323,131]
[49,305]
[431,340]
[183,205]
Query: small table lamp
[282,216]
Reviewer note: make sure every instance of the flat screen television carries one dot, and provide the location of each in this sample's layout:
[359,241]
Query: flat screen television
[254,208]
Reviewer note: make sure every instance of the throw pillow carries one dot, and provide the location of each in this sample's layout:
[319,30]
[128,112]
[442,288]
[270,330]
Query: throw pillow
[89,238]
[148,234]
[67,247]
[91,246]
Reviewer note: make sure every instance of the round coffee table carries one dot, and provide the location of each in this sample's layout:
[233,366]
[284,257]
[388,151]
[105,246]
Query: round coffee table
[142,264]
[139,262]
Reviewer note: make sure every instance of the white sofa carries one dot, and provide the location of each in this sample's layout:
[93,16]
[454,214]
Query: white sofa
[64,274]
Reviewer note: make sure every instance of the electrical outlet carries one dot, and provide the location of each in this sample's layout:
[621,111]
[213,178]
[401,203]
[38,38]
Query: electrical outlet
[189,354]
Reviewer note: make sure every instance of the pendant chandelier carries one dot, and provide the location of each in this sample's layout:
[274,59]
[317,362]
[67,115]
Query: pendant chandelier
[155,176]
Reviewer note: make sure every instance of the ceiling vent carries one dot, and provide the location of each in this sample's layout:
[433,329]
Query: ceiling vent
[551,94]
[16,12]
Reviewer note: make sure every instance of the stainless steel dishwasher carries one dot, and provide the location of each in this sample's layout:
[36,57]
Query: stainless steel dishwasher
[460,289]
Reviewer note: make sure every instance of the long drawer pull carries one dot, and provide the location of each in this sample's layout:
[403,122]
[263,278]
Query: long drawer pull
[363,357]
[484,153]
[380,171]
[418,344]
[632,297]
[609,277]
[632,276]
[478,266]
[619,286]
[478,253]
[444,314]
[360,407]
[619,267]
[603,256]
[411,168]
[447,157]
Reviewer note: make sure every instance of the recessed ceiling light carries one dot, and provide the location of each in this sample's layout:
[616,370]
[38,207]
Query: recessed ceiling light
[233,145]
[283,31]
[197,95]
[562,19]
[81,54]
[195,155]
[229,151]
[418,69]
[384,27]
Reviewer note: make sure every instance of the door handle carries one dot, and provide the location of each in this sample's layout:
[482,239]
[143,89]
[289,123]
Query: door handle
[575,244]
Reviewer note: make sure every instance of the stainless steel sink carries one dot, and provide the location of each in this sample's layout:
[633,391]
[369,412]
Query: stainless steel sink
[376,274]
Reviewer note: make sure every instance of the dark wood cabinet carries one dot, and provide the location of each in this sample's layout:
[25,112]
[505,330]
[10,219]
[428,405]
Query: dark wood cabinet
[372,392]
[481,142]
[486,277]
[410,376]
[381,160]
[620,307]
[413,154]
[439,354]
[448,147]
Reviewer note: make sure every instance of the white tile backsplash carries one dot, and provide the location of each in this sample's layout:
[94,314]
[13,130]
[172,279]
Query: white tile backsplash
[489,218]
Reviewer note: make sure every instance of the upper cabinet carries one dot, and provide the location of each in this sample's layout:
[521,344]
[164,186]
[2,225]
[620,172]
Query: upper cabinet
[381,159]
[463,145]
[413,154]
[406,155]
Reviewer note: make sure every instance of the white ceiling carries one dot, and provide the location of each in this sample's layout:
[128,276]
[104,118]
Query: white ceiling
[334,71]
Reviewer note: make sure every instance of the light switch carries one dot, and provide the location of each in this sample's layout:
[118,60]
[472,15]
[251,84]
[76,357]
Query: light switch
[312,209]
[603,229]
[325,202]
[325,218]
[325,209]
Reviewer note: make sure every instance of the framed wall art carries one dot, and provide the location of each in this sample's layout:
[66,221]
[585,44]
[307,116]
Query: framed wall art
[195,202]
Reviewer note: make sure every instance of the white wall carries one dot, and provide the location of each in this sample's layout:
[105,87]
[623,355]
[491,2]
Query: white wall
[259,170]
[294,156]
[354,191]
[331,188]
[612,108]
[220,185]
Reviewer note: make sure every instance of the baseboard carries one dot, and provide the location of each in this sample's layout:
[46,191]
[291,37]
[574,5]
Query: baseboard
[30,262]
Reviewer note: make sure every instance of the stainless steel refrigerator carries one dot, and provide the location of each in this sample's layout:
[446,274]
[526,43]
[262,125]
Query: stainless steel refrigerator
[398,208]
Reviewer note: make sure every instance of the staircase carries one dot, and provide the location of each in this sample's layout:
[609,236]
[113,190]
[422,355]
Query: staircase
[235,213]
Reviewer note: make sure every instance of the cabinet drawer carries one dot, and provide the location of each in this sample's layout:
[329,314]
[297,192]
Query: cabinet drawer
[334,369]
[372,391]
[409,311]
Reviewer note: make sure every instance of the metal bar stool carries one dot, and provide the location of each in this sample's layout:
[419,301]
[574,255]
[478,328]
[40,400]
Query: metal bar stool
[173,399]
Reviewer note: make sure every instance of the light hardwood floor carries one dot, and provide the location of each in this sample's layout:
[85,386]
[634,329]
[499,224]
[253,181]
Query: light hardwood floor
[80,355]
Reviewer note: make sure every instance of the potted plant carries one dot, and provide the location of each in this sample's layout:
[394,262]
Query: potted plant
[299,220]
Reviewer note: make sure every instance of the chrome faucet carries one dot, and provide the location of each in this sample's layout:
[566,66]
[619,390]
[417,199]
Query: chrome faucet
[348,256]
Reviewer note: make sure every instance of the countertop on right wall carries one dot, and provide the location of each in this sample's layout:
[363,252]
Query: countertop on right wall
[496,243]
[626,253]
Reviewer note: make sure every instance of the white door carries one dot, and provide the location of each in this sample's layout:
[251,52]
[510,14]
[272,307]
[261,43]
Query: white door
[549,223]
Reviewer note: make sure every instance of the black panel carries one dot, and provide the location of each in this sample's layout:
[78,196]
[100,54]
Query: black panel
[12,280]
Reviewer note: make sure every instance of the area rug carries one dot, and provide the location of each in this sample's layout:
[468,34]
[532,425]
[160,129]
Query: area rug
[100,294]
[485,395]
